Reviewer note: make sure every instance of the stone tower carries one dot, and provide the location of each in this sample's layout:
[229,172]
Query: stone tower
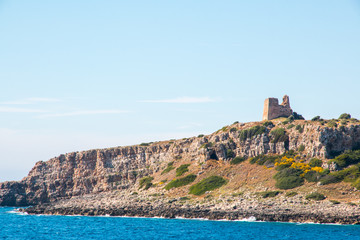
[273,110]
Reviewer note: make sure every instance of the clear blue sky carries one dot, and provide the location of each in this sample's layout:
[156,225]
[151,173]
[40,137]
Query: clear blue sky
[88,74]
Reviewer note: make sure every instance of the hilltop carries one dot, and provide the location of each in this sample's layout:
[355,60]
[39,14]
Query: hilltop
[266,169]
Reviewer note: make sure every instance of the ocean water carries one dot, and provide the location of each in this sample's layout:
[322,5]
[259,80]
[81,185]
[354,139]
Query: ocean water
[19,226]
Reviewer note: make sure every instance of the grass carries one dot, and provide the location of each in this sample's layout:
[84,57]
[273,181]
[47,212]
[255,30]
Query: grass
[168,168]
[315,196]
[181,182]
[207,184]
[314,162]
[145,182]
[267,194]
[237,160]
[182,169]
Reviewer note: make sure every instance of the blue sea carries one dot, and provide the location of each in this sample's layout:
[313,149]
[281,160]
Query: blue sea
[20,226]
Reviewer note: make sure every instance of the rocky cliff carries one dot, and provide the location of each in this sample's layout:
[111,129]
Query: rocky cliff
[119,168]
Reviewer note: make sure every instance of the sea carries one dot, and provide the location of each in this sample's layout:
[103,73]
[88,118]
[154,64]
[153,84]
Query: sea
[14,225]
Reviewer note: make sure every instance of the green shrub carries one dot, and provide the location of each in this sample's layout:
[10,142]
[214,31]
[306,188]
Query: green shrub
[236,122]
[279,135]
[168,168]
[267,194]
[356,184]
[230,153]
[181,182]
[262,159]
[182,169]
[268,124]
[347,158]
[315,196]
[290,126]
[291,194]
[207,184]
[144,144]
[312,176]
[286,121]
[345,116]
[237,160]
[200,135]
[207,145]
[251,132]
[288,178]
[301,148]
[317,118]
[315,162]
[233,129]
[145,182]
[289,182]
[334,202]
[298,116]
[327,179]
[332,123]
[299,128]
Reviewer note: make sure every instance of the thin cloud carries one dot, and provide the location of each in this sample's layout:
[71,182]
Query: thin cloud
[80,113]
[30,101]
[20,110]
[183,100]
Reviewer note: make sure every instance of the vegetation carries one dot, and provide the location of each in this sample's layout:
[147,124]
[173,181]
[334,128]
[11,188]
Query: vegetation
[145,144]
[169,168]
[230,153]
[279,135]
[290,126]
[347,158]
[146,182]
[200,135]
[316,118]
[299,128]
[264,159]
[334,202]
[314,162]
[288,178]
[312,176]
[332,123]
[267,194]
[315,196]
[268,124]
[301,148]
[237,160]
[291,194]
[351,174]
[182,169]
[251,132]
[207,184]
[345,116]
[233,129]
[181,182]
[298,116]
[207,145]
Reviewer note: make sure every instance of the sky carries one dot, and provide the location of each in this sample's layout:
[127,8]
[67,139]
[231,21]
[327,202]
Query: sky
[78,75]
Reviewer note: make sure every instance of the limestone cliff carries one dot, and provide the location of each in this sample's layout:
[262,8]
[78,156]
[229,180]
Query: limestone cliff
[103,170]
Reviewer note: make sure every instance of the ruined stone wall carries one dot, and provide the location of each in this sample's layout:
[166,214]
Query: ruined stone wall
[273,110]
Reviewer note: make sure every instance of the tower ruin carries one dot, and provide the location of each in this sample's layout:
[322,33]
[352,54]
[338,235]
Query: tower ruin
[273,110]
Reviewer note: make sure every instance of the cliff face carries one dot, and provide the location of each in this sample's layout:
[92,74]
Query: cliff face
[102,170]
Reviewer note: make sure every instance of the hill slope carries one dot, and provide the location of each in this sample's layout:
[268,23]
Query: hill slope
[129,176]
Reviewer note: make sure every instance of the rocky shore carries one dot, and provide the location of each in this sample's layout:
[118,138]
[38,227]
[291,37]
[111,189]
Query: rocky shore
[280,209]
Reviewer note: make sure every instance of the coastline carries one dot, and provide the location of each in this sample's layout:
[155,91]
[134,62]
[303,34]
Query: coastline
[279,209]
